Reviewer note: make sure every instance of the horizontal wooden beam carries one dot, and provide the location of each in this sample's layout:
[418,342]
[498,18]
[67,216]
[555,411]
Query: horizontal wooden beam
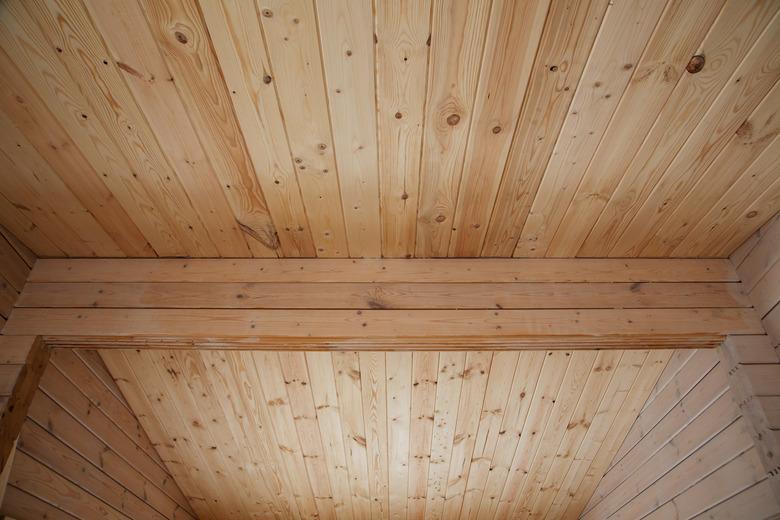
[450,270]
[341,295]
[434,303]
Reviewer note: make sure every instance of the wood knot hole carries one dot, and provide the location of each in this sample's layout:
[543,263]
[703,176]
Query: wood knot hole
[695,64]
[453,119]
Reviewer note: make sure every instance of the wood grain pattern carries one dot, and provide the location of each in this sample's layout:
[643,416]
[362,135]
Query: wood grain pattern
[455,403]
[373,128]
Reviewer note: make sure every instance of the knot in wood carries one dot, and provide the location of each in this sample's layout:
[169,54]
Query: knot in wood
[695,64]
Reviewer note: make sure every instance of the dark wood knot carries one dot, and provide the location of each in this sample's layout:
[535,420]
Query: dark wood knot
[696,64]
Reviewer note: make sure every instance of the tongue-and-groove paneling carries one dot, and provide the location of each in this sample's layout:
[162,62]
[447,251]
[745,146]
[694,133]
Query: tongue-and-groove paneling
[335,128]
[475,434]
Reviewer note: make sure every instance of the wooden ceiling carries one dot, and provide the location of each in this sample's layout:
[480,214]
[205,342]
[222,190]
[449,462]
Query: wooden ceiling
[334,128]
[386,434]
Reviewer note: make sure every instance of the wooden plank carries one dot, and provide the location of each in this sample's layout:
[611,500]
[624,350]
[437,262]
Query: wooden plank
[346,31]
[625,375]
[13,266]
[731,39]
[399,417]
[472,395]
[136,396]
[375,324]
[23,391]
[758,73]
[678,36]
[373,385]
[238,43]
[766,293]
[596,467]
[751,138]
[402,31]
[624,33]
[14,349]
[512,39]
[136,54]
[21,504]
[323,388]
[67,429]
[36,442]
[69,27]
[179,30]
[757,501]
[290,30]
[667,455]
[762,256]
[8,376]
[346,369]
[237,386]
[294,369]
[342,295]
[739,474]
[6,473]
[457,41]
[425,369]
[66,395]
[75,165]
[570,30]
[395,270]
[527,377]
[448,388]
[35,478]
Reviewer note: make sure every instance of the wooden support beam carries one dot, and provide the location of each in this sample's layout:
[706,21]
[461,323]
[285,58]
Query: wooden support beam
[381,304]
[23,391]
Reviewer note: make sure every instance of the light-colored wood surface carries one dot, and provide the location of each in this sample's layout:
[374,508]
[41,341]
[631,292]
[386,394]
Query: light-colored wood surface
[82,453]
[263,128]
[381,304]
[386,434]
[690,452]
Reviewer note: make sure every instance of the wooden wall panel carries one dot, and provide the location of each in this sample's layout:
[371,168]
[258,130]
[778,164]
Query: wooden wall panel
[82,454]
[426,128]
[689,454]
[346,434]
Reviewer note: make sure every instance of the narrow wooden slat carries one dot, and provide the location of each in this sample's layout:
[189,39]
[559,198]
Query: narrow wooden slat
[457,42]
[14,349]
[346,369]
[680,32]
[748,141]
[601,87]
[323,388]
[753,197]
[373,385]
[596,467]
[347,33]
[397,324]
[402,31]
[399,401]
[731,39]
[472,394]
[36,442]
[341,295]
[758,500]
[69,27]
[68,398]
[67,429]
[758,73]
[754,263]
[179,30]
[142,65]
[35,478]
[448,388]
[238,43]
[21,504]
[122,370]
[511,43]
[422,270]
[425,367]
[570,30]
[12,265]
[290,30]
